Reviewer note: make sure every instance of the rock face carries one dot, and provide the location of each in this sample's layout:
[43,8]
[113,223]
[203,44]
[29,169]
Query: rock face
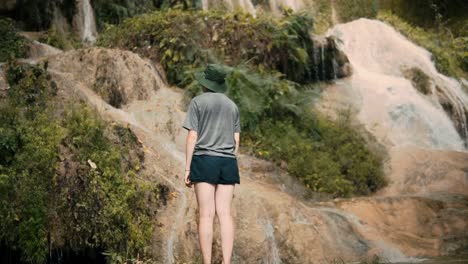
[38,49]
[328,62]
[96,69]
[275,221]
[422,172]
[388,104]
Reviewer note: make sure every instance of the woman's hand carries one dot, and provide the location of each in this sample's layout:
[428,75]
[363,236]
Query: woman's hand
[188,183]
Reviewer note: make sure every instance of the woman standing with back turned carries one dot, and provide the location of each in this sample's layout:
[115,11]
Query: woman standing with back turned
[212,145]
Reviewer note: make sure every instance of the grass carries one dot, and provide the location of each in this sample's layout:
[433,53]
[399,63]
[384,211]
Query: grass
[349,10]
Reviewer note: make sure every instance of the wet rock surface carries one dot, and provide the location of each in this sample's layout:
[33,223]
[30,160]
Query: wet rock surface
[276,219]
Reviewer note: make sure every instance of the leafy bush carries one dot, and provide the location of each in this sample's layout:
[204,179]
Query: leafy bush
[431,14]
[329,157]
[38,15]
[68,180]
[279,124]
[322,13]
[61,40]
[183,40]
[11,44]
[115,11]
[349,10]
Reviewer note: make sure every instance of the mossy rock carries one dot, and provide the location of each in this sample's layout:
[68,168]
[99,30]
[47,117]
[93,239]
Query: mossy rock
[420,80]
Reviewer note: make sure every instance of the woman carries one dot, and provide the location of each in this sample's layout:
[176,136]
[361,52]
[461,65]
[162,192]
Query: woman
[212,145]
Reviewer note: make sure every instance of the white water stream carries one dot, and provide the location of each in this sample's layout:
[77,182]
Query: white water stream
[89,24]
[274,6]
[390,107]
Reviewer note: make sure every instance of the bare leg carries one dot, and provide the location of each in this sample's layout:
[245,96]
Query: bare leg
[206,206]
[223,196]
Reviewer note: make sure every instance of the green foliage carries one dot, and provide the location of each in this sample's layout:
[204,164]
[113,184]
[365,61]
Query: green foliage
[262,94]
[184,40]
[11,44]
[440,15]
[28,159]
[61,40]
[68,179]
[432,14]
[38,15]
[450,54]
[109,206]
[322,14]
[115,11]
[349,10]
[279,124]
[329,157]
[419,79]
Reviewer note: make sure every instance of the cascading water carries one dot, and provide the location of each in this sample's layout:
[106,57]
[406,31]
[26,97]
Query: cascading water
[204,4]
[390,106]
[275,6]
[273,251]
[88,31]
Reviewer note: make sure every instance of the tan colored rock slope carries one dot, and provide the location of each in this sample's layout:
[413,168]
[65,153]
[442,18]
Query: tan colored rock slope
[274,222]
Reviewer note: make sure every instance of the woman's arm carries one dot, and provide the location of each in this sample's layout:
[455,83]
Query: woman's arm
[236,138]
[189,147]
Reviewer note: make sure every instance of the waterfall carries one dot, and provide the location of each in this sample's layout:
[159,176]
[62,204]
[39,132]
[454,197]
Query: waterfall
[322,61]
[273,251]
[88,33]
[391,107]
[245,5]
[334,68]
[277,5]
[274,6]
[204,4]
[370,236]
[248,6]
[316,63]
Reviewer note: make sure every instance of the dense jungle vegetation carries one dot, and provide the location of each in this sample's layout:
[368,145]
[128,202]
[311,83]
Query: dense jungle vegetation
[11,44]
[69,182]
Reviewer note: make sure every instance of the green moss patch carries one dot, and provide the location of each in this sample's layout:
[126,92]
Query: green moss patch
[69,181]
[419,79]
[12,45]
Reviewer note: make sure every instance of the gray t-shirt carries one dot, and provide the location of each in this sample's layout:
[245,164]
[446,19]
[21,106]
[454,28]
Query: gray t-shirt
[215,117]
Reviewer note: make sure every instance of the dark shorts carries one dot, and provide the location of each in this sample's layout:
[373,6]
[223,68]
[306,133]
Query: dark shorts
[214,169]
